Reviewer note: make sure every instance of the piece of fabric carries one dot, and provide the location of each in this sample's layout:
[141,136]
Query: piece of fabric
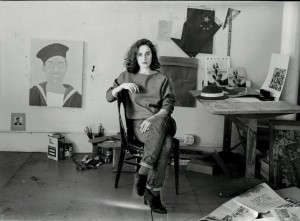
[37,96]
[182,73]
[155,93]
[198,31]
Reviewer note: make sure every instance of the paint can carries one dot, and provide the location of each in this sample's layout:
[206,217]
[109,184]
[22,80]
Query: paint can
[108,155]
[68,150]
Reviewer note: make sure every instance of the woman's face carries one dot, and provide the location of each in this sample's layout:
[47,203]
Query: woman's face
[144,56]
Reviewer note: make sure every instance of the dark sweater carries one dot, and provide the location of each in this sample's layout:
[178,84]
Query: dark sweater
[155,93]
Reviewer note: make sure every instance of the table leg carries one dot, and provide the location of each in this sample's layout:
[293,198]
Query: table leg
[251,149]
[227,134]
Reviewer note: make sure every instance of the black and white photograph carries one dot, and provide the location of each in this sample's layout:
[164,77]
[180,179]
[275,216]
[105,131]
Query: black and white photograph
[18,121]
[149,110]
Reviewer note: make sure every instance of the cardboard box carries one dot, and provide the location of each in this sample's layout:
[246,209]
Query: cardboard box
[201,166]
[56,147]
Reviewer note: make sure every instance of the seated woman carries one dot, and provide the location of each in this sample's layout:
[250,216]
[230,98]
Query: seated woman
[149,107]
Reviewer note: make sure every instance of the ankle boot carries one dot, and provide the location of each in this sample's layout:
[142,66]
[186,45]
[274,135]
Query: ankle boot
[139,186]
[154,202]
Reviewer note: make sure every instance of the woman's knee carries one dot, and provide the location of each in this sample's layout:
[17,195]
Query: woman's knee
[168,143]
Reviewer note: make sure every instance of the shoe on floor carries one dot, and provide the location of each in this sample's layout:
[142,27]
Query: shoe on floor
[154,202]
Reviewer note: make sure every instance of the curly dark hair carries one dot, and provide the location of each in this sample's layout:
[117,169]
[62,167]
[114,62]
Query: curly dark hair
[131,63]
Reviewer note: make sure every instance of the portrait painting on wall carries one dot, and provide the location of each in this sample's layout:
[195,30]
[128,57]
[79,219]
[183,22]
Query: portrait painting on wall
[216,70]
[18,121]
[56,73]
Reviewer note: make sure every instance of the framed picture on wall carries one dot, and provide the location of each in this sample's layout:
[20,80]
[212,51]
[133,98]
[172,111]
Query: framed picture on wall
[56,73]
[18,121]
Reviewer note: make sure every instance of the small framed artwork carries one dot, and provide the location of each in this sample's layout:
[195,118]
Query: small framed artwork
[18,121]
[236,77]
[216,70]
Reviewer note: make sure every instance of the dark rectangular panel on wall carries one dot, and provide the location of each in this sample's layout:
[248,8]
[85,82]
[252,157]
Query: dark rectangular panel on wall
[183,75]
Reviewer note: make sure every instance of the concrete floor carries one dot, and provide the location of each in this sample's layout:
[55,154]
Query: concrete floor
[33,187]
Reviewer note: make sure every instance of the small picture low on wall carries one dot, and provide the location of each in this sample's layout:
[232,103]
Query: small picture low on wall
[18,121]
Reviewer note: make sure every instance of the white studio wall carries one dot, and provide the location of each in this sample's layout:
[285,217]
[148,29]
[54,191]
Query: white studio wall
[107,30]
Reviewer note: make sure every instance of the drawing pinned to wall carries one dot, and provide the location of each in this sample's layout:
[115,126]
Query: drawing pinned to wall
[216,70]
[56,73]
[236,77]
[18,121]
[164,30]
[198,31]
[275,79]
[182,73]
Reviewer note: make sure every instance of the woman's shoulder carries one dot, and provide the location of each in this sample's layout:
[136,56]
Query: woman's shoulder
[162,75]
[125,74]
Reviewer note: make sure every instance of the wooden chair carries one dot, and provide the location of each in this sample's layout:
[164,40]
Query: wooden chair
[134,147]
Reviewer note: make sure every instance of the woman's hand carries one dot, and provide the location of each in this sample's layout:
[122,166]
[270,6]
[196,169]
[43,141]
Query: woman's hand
[132,87]
[145,125]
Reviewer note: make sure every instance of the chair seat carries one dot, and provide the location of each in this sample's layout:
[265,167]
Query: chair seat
[135,147]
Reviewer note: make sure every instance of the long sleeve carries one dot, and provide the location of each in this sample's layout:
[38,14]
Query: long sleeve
[168,98]
[117,82]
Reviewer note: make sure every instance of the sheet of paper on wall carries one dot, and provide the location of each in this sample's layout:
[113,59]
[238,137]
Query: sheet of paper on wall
[198,31]
[216,70]
[236,77]
[182,73]
[164,30]
[275,79]
[177,26]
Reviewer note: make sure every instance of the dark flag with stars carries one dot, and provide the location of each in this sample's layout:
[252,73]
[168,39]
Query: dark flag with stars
[198,32]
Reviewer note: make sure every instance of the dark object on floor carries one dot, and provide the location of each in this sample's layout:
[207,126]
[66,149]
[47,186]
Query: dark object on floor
[84,166]
[154,202]
[139,186]
[228,163]
[236,187]
[136,148]
[221,163]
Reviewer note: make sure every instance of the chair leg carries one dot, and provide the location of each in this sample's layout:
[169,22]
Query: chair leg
[176,162]
[120,165]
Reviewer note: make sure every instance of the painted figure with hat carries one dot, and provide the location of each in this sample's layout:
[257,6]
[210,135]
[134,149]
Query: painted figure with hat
[18,121]
[54,92]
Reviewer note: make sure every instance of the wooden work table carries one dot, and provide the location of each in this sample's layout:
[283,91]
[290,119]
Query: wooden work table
[233,108]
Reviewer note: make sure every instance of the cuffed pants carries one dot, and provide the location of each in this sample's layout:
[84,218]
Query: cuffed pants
[158,141]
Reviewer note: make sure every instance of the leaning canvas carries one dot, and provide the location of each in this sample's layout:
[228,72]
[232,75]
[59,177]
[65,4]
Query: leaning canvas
[56,73]
[275,79]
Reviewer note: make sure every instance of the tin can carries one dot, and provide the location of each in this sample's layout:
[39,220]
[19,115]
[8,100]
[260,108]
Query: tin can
[68,150]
